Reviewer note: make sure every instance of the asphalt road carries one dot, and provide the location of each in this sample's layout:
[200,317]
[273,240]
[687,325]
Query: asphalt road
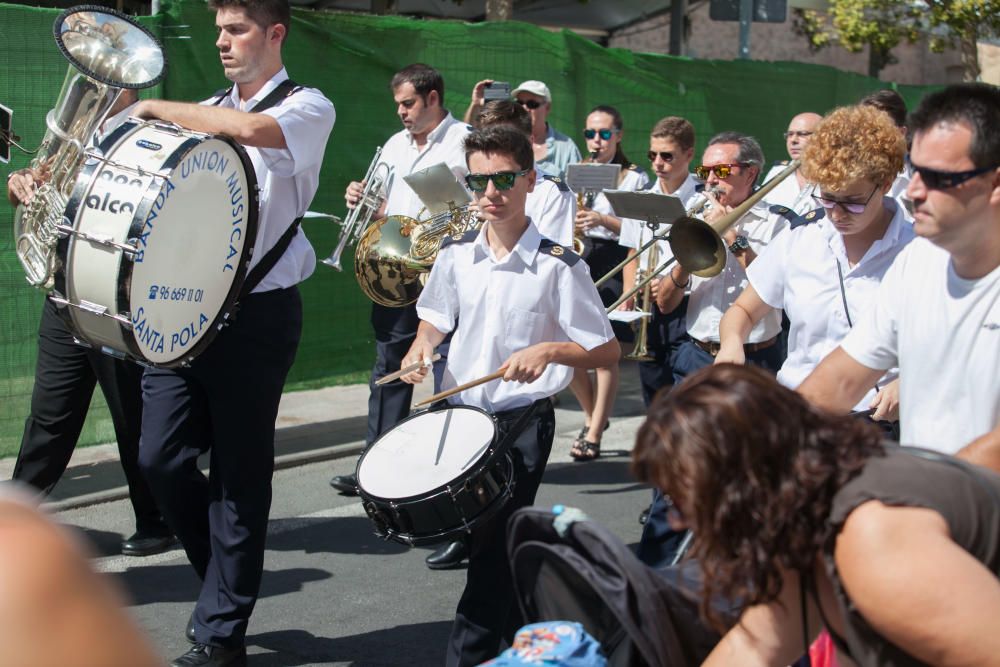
[333,593]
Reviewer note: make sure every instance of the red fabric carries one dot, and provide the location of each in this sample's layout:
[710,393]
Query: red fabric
[822,652]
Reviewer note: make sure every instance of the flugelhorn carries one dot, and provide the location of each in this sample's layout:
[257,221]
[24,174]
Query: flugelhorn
[697,245]
[359,217]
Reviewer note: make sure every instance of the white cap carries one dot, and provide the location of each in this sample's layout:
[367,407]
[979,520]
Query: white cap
[535,88]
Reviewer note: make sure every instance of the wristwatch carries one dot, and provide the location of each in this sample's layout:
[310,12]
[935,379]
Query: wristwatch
[739,245]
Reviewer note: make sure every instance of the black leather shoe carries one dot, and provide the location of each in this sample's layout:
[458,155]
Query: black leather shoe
[189,630]
[346,484]
[448,556]
[203,655]
[147,544]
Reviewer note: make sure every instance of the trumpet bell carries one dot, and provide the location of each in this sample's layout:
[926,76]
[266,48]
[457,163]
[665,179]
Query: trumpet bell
[383,266]
[697,247]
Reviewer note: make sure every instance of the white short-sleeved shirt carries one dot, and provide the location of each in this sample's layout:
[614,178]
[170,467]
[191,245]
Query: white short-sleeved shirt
[287,177]
[798,272]
[636,232]
[788,193]
[552,208]
[634,179]
[530,296]
[403,156]
[711,297]
[943,332]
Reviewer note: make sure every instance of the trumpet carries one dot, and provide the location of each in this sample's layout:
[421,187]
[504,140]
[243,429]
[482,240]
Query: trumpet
[697,245]
[360,217]
[584,199]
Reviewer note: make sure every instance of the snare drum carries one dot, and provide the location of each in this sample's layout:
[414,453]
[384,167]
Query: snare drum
[435,475]
[158,235]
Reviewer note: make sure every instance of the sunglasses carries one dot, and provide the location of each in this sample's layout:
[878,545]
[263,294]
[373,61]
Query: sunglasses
[666,156]
[800,134]
[721,171]
[502,180]
[854,208]
[942,180]
[604,134]
[531,104]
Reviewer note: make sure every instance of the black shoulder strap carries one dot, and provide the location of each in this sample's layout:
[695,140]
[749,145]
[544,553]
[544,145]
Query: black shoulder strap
[270,259]
[284,89]
[281,91]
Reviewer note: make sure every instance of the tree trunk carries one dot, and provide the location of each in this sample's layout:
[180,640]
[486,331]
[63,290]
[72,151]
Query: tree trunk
[969,50]
[877,60]
[499,10]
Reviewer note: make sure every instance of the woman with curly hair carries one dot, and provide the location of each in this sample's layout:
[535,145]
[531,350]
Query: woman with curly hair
[811,520]
[826,269]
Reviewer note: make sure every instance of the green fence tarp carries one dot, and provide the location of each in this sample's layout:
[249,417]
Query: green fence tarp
[351,58]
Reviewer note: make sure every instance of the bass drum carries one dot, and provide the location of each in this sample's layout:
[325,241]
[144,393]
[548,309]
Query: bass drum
[164,222]
[435,475]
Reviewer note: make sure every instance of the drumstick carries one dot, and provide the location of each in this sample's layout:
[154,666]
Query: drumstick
[408,369]
[460,388]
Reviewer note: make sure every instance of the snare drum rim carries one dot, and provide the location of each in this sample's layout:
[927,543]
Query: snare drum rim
[490,452]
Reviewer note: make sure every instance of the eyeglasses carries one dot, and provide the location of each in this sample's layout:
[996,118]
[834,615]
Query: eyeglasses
[531,104]
[942,180]
[604,134]
[851,207]
[722,171]
[502,180]
[797,133]
[666,156]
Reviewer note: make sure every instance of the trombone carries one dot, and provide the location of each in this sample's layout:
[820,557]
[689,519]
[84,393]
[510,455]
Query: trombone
[697,245]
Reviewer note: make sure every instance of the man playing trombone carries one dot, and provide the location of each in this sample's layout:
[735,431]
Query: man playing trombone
[730,167]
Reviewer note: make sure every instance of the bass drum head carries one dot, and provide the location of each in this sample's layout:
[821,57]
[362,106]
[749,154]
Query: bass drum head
[425,452]
[194,247]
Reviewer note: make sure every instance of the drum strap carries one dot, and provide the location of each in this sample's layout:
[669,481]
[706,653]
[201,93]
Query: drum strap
[518,425]
[284,89]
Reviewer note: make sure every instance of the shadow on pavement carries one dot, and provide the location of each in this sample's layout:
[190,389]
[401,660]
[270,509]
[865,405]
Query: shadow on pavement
[343,535]
[417,644]
[178,583]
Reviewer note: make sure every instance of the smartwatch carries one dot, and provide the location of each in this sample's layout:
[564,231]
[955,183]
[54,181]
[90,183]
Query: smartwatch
[739,245]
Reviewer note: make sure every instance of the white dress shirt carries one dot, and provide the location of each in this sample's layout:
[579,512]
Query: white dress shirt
[552,209]
[502,306]
[712,297]
[634,179]
[287,177]
[636,232]
[798,272]
[403,156]
[788,193]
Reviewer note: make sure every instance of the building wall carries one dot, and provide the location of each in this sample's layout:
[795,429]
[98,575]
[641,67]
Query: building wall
[989,63]
[777,41]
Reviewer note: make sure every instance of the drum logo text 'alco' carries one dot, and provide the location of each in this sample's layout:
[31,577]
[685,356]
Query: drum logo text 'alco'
[106,203]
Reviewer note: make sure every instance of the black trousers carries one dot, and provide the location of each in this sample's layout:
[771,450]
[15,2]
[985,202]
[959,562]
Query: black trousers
[487,613]
[395,329]
[664,336]
[225,403]
[65,376]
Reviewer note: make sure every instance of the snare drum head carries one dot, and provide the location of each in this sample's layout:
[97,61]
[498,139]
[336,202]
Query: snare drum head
[425,452]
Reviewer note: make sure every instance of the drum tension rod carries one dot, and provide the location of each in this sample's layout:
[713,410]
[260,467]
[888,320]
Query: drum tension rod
[100,239]
[94,309]
[127,167]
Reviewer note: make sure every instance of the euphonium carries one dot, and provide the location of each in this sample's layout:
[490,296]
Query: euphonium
[107,52]
[360,217]
[394,254]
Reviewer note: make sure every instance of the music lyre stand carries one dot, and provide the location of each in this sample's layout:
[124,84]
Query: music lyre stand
[655,209]
[438,189]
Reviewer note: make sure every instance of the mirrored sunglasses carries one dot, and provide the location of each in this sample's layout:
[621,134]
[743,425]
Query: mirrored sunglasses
[666,156]
[604,134]
[722,171]
[502,180]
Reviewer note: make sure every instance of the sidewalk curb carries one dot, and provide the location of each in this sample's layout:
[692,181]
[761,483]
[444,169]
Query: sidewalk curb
[280,463]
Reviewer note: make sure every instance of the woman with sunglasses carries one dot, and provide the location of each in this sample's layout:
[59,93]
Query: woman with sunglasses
[825,270]
[594,219]
[810,520]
